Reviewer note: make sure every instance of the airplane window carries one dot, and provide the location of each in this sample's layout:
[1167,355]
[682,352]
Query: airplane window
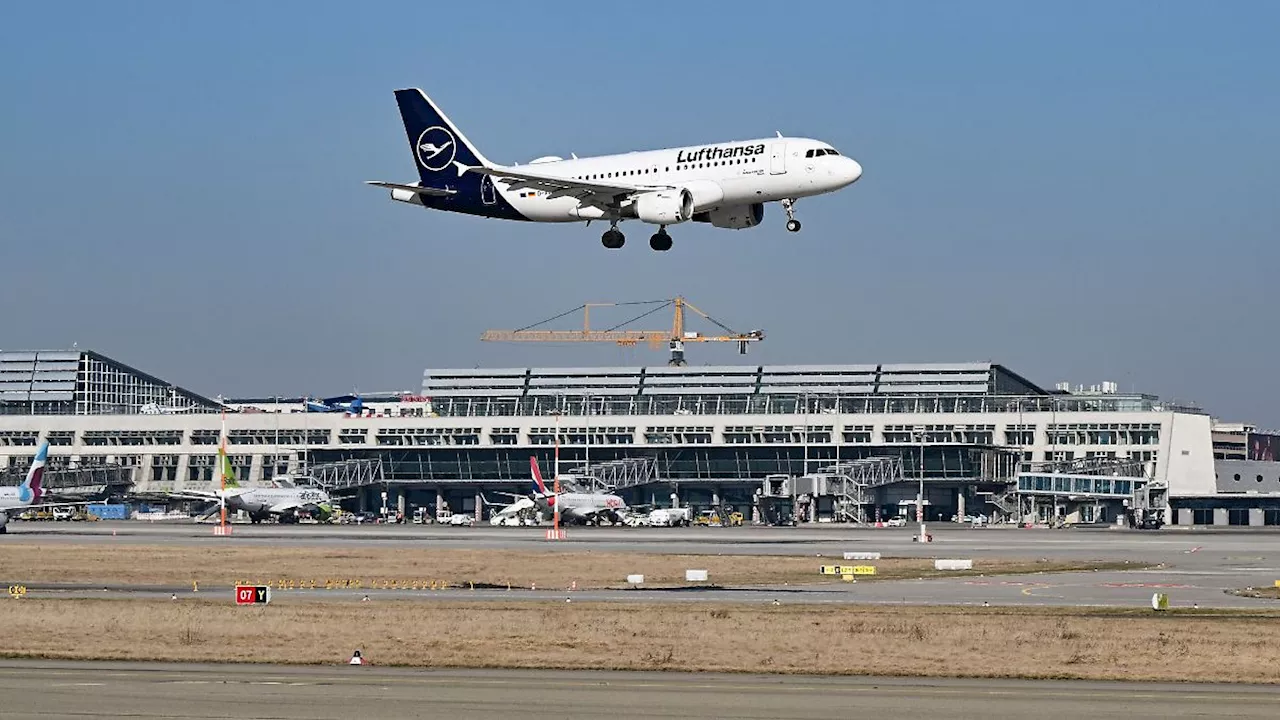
[832,152]
[808,153]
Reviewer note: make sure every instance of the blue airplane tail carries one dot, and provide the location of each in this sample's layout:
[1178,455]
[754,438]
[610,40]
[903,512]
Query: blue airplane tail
[437,144]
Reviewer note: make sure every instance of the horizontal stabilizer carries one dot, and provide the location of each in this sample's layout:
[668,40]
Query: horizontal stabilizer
[437,192]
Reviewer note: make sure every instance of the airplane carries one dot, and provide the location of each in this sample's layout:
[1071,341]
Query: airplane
[29,493]
[724,184]
[345,403]
[576,507]
[158,409]
[263,502]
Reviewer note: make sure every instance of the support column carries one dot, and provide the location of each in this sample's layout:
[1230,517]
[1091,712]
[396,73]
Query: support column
[400,504]
[715,498]
[1256,517]
[479,506]
[960,505]
[439,501]
[1185,516]
[1220,516]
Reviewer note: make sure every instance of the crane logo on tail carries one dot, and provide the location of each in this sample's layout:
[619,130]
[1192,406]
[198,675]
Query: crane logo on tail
[436,148]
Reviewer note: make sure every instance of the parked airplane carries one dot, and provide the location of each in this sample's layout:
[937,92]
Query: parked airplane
[576,507]
[262,502]
[725,184]
[345,403]
[29,493]
[158,409]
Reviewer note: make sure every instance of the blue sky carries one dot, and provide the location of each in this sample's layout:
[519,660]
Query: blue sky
[1081,191]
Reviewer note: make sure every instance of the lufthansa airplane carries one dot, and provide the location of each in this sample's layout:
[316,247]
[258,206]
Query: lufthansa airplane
[724,184]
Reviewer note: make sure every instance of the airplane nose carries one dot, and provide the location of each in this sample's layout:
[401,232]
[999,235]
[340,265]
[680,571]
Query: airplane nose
[854,170]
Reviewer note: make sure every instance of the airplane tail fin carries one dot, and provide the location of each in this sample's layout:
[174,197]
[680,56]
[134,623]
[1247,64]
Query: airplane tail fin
[31,491]
[438,145]
[539,487]
[356,406]
[228,472]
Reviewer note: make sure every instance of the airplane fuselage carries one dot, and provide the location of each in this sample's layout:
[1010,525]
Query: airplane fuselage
[588,506]
[725,175]
[260,501]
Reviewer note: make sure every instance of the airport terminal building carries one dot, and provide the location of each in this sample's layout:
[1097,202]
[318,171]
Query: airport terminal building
[824,443]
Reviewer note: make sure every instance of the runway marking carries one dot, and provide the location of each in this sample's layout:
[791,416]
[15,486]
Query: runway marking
[776,685]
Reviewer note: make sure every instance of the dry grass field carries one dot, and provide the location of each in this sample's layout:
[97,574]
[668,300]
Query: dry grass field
[1029,643]
[127,564]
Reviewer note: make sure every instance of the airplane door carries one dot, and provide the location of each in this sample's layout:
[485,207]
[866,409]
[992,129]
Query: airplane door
[488,193]
[778,159]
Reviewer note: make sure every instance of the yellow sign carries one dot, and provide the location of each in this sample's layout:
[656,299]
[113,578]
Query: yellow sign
[17,591]
[1278,583]
[848,569]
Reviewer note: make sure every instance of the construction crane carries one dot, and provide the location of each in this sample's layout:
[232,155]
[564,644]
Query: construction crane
[674,338]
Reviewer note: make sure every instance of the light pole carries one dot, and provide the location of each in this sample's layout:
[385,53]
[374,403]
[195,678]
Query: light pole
[924,534]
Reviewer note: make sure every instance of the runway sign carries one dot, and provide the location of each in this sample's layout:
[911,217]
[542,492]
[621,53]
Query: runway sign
[952,564]
[635,579]
[1159,601]
[848,569]
[862,556]
[253,594]
[695,575]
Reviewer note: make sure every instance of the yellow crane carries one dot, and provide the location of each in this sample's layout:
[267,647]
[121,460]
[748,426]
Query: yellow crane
[674,338]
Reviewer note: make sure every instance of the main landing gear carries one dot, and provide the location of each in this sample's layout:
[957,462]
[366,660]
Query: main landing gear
[613,237]
[660,241]
[793,225]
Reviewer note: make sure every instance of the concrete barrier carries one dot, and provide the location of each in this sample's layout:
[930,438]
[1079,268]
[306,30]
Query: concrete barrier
[695,575]
[862,556]
[952,564]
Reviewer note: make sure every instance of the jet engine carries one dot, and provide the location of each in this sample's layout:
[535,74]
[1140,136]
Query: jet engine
[664,207]
[733,217]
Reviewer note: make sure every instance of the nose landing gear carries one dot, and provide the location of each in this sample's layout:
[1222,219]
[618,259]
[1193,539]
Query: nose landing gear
[793,225]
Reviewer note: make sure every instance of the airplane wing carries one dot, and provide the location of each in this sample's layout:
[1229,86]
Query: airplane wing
[590,191]
[418,189]
[204,494]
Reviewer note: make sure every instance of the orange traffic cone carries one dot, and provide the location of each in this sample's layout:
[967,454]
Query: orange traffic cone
[356,659]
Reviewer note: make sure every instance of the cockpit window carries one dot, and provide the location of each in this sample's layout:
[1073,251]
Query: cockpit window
[831,151]
[808,153]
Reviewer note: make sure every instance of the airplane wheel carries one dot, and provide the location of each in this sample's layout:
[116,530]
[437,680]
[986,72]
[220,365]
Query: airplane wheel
[613,239]
[793,226]
[660,241]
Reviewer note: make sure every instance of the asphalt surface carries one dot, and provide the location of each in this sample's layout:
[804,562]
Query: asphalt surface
[1196,567]
[47,690]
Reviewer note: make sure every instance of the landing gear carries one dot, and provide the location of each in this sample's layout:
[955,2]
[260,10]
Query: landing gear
[793,225]
[660,241]
[613,237]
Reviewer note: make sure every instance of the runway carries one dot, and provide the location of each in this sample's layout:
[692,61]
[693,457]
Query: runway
[949,539]
[45,690]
